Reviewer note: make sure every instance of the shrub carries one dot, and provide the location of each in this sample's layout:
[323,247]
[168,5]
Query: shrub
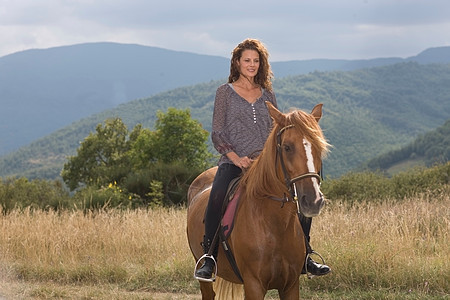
[112,196]
[175,179]
[37,194]
[420,180]
[357,187]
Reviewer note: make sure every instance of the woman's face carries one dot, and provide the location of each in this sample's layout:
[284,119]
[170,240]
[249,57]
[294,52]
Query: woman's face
[248,64]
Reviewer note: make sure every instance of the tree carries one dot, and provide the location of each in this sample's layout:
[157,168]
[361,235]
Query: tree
[100,158]
[178,139]
[141,154]
[112,154]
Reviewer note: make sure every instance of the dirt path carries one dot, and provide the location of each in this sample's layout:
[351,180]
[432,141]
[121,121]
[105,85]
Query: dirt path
[17,290]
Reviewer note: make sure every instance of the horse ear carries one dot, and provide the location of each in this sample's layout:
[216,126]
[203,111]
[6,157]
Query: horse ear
[317,111]
[276,115]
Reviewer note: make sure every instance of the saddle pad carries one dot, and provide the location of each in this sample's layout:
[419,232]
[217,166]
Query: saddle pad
[228,217]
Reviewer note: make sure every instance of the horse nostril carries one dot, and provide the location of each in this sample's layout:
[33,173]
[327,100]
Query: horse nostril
[304,201]
[311,205]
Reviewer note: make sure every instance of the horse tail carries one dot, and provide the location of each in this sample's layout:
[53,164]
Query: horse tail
[227,290]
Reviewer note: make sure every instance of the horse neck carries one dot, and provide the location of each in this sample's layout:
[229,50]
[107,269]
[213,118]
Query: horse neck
[261,184]
[263,180]
[263,212]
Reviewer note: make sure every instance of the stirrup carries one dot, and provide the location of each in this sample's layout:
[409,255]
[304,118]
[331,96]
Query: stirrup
[309,275]
[213,278]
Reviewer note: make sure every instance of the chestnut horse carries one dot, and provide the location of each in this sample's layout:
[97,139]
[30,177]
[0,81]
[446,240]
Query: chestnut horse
[267,239]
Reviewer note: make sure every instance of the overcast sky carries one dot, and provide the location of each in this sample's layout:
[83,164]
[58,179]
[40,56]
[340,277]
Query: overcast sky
[291,29]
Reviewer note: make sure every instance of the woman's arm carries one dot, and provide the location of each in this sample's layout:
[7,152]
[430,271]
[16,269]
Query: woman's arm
[219,135]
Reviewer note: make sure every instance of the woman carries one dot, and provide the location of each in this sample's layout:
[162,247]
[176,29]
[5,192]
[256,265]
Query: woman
[241,124]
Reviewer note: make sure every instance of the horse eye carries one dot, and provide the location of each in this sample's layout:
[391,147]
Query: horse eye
[287,148]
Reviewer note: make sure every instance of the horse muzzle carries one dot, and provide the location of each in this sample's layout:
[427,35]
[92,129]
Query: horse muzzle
[306,189]
[310,205]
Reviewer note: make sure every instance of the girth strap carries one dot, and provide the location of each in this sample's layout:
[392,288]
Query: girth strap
[230,257]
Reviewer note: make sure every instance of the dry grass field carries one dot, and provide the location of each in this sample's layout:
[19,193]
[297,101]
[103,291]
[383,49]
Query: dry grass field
[389,250]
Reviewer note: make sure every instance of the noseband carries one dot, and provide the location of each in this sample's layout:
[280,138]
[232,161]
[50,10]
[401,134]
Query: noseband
[290,182]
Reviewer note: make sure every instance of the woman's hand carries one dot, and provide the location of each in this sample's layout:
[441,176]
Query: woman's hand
[243,162]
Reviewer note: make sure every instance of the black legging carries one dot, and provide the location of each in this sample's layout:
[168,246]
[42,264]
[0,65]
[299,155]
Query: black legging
[225,173]
[306,225]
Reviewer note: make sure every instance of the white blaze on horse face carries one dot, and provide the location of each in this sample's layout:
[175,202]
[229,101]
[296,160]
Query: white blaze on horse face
[310,165]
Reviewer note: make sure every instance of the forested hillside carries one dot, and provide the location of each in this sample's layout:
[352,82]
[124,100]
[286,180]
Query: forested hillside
[430,148]
[366,113]
[44,90]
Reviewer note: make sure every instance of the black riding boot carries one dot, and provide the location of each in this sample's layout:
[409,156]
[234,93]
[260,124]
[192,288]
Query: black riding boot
[310,265]
[204,273]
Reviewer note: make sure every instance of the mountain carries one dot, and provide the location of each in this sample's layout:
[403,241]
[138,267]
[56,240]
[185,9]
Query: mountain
[427,149]
[366,112]
[44,90]
[431,55]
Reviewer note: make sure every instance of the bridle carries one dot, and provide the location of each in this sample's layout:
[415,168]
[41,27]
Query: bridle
[290,182]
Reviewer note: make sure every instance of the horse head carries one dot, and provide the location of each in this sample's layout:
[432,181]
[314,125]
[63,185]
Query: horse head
[300,146]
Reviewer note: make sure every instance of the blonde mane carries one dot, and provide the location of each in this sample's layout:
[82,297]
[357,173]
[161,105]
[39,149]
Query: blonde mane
[264,178]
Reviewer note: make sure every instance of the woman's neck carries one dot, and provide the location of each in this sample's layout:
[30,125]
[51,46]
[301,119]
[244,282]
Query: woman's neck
[247,83]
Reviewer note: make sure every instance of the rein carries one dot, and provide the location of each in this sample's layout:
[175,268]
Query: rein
[290,182]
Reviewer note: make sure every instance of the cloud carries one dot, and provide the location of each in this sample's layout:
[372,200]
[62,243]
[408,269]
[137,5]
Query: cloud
[291,29]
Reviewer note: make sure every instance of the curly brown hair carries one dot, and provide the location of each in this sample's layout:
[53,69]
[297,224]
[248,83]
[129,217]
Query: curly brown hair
[264,75]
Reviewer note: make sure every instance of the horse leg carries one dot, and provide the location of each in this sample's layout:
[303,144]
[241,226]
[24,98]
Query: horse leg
[207,290]
[292,293]
[253,290]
